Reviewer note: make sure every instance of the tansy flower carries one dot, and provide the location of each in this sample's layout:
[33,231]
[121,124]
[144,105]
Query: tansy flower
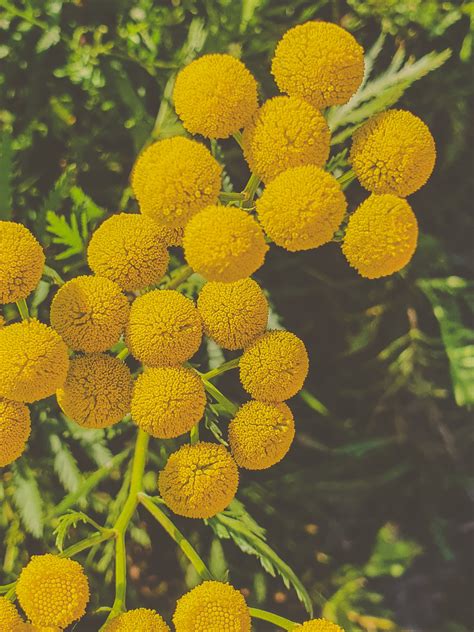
[21,262]
[285,132]
[233,314]
[10,620]
[175,178]
[302,208]
[215,96]
[381,236]
[172,236]
[15,427]
[274,367]
[90,313]
[138,620]
[212,607]
[261,434]
[168,401]
[319,62]
[33,361]
[97,391]
[164,328]
[53,590]
[224,244]
[128,249]
[393,152]
[199,480]
[318,625]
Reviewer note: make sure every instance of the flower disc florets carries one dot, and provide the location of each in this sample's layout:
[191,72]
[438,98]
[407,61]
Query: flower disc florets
[215,96]
[10,620]
[212,607]
[175,178]
[199,480]
[381,236]
[318,625]
[319,62]
[285,132]
[302,208]
[15,427]
[138,620]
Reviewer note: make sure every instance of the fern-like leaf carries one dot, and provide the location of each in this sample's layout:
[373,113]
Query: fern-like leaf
[27,498]
[65,464]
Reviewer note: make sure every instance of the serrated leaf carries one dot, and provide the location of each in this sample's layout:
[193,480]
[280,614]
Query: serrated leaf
[66,234]
[27,499]
[65,464]
[69,521]
[83,204]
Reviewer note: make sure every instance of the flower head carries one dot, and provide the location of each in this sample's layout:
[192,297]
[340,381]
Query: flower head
[10,620]
[261,434]
[90,313]
[381,236]
[215,96]
[175,178]
[302,208]
[97,391]
[393,152]
[168,401]
[319,62]
[15,427]
[164,328]
[224,244]
[233,314]
[285,132]
[53,590]
[199,480]
[318,625]
[212,607]
[21,262]
[138,620]
[130,250]
[33,361]
[274,367]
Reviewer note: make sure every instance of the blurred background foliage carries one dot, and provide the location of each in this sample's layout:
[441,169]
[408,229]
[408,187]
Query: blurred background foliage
[373,505]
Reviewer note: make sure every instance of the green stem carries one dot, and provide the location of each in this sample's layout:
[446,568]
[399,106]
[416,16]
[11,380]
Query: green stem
[231,196]
[23,309]
[231,364]
[251,187]
[53,275]
[238,138]
[194,434]
[220,397]
[123,354]
[346,178]
[176,535]
[88,543]
[183,273]
[280,622]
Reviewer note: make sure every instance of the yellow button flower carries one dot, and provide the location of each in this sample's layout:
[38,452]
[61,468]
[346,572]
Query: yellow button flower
[224,244]
[10,620]
[318,625]
[97,392]
[33,361]
[215,96]
[168,401]
[130,250]
[53,590]
[212,607]
[138,620]
[21,262]
[90,313]
[274,367]
[175,178]
[199,480]
[233,314]
[15,427]
[381,236]
[393,152]
[164,328]
[285,132]
[319,62]
[261,434]
[302,208]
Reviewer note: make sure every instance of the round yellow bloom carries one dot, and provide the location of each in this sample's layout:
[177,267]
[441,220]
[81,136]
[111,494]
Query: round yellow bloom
[212,607]
[224,243]
[199,480]
[318,625]
[15,427]
[90,313]
[97,392]
[319,62]
[33,361]
[302,208]
[53,590]
[138,620]
[261,434]
[10,620]
[164,328]
[128,249]
[215,96]
[233,314]
[274,367]
[381,236]
[394,152]
[168,401]
[285,132]
[175,178]
[21,262]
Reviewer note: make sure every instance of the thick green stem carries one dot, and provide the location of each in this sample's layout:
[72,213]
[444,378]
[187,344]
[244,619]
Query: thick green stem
[280,622]
[88,543]
[183,273]
[123,354]
[231,196]
[251,187]
[231,364]
[23,309]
